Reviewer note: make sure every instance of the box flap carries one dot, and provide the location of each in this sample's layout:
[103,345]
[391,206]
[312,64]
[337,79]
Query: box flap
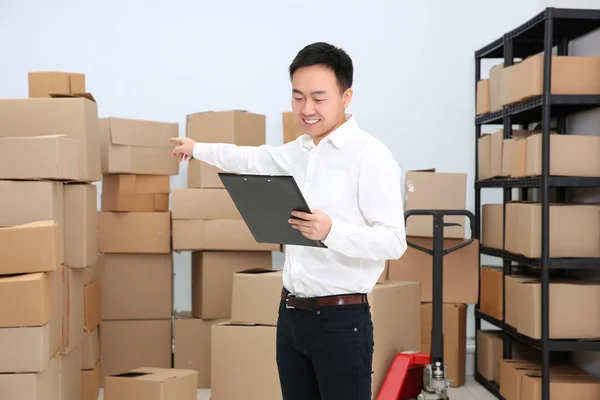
[88,96]
[141,133]
[257,271]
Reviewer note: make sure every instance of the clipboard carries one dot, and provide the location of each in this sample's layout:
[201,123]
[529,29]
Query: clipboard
[266,203]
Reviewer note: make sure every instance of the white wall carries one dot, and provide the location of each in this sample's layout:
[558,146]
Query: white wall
[155,60]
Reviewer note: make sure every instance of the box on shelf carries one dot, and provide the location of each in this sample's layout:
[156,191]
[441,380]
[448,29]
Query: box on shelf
[574,229]
[292,128]
[154,383]
[134,232]
[81,225]
[491,301]
[135,193]
[490,155]
[137,286]
[492,226]
[131,146]
[44,83]
[512,303]
[581,386]
[56,158]
[235,127]
[202,175]
[256,296]
[483,105]
[29,386]
[496,87]
[489,354]
[562,149]
[17,241]
[76,118]
[204,204]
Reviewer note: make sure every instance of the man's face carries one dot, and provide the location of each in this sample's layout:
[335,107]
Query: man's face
[318,101]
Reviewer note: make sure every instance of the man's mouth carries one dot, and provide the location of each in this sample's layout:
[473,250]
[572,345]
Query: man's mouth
[311,121]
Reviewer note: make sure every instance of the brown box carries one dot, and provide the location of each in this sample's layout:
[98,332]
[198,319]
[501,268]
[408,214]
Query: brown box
[514,153]
[570,75]
[153,383]
[574,229]
[256,296]
[496,149]
[70,375]
[235,377]
[92,313]
[44,83]
[202,175]
[236,127]
[56,158]
[491,301]
[130,146]
[492,226]
[17,241]
[561,386]
[205,204]
[432,190]
[484,149]
[455,339]
[26,300]
[220,235]
[562,149]
[292,128]
[48,204]
[483,97]
[193,345]
[90,383]
[135,232]
[73,314]
[137,286]
[31,386]
[496,87]
[212,279]
[135,193]
[75,117]
[512,298]
[461,277]
[489,354]
[81,225]
[90,350]
[93,272]
[125,345]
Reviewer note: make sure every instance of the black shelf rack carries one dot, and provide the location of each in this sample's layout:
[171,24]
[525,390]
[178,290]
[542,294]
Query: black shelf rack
[551,28]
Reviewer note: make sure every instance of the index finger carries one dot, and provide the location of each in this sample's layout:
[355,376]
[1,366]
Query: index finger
[176,140]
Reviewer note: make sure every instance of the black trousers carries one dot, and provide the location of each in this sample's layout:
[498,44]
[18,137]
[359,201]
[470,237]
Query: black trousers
[325,354]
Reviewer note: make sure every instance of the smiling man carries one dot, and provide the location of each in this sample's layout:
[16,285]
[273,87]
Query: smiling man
[325,330]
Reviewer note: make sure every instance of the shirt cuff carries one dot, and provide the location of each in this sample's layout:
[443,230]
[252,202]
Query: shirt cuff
[200,150]
[336,236]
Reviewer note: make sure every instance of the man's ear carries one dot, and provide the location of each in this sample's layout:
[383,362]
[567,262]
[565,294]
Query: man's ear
[347,97]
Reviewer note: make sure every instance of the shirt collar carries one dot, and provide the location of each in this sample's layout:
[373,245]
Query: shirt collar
[339,136]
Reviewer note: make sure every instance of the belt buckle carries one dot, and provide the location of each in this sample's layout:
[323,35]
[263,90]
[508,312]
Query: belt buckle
[287,304]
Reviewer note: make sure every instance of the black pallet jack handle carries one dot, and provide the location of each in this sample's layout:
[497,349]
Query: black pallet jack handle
[438,252]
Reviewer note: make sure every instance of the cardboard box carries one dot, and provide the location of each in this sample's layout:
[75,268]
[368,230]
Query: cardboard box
[489,354]
[484,148]
[44,83]
[31,386]
[496,149]
[92,313]
[236,127]
[454,326]
[81,225]
[93,272]
[218,235]
[491,301]
[73,308]
[193,345]
[256,296]
[130,146]
[126,345]
[574,229]
[512,300]
[514,152]
[135,232]
[154,383]
[461,276]
[135,193]
[47,206]
[432,190]
[203,204]
[562,148]
[90,350]
[292,127]
[561,386]
[17,241]
[56,158]
[137,286]
[483,97]
[570,75]
[75,117]
[241,371]
[202,175]
[90,383]
[496,86]
[212,279]
[70,375]
[492,226]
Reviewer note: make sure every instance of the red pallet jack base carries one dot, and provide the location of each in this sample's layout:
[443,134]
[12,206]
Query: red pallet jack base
[404,379]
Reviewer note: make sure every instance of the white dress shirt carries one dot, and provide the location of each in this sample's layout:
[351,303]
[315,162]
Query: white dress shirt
[352,177]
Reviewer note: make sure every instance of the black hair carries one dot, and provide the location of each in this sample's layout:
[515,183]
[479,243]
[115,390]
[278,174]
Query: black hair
[334,58]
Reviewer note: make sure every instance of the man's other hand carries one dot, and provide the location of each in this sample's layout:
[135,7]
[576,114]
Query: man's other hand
[184,148]
[315,225]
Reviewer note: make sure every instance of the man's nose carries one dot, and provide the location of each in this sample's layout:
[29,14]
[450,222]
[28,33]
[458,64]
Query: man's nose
[308,108]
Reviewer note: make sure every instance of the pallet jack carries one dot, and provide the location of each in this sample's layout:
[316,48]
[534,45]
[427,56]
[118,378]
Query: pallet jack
[421,376]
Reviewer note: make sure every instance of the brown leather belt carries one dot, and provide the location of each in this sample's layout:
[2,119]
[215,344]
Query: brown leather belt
[312,303]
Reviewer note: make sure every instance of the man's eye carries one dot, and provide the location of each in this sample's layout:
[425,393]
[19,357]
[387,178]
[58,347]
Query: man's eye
[320,100]
[298,98]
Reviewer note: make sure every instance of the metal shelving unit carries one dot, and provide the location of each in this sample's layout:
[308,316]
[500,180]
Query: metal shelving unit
[550,28]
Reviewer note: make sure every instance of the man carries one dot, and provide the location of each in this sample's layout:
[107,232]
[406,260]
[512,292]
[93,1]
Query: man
[325,331]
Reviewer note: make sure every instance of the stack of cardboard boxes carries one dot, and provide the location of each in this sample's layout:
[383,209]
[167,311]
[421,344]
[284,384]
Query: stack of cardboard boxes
[134,238]
[430,190]
[291,127]
[47,206]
